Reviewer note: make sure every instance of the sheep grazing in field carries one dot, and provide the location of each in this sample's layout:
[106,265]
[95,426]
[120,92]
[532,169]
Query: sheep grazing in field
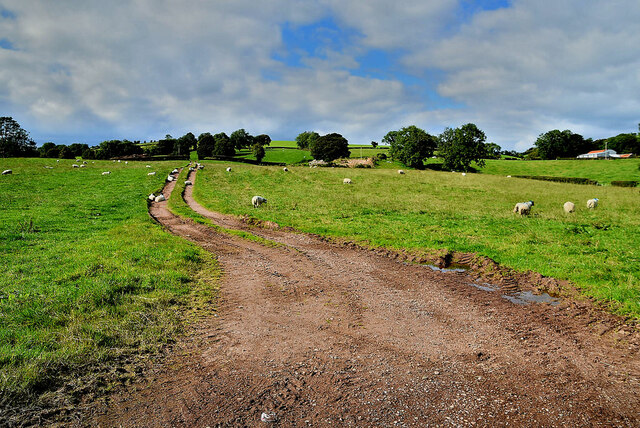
[175,171]
[126,162]
[257,201]
[75,166]
[285,169]
[48,167]
[160,198]
[523,208]
[347,181]
[106,173]
[170,178]
[200,166]
[57,160]
[401,171]
[508,176]
[7,172]
[83,166]
[592,203]
[152,197]
[148,166]
[569,207]
[228,169]
[188,183]
[84,162]
[151,173]
[464,174]
[118,160]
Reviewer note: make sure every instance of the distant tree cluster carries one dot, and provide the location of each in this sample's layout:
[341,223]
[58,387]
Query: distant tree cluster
[305,139]
[223,145]
[15,141]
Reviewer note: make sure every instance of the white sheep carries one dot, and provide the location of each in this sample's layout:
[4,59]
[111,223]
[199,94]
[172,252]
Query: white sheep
[7,172]
[148,166]
[160,198]
[152,197]
[84,162]
[257,201]
[200,166]
[285,169]
[523,208]
[75,166]
[175,171]
[151,173]
[464,174]
[170,178]
[508,176]
[83,166]
[569,207]
[118,160]
[126,162]
[400,171]
[592,203]
[57,160]
[347,181]
[188,183]
[106,173]
[228,169]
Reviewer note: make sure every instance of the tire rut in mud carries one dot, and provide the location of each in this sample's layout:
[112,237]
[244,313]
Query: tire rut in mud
[325,334]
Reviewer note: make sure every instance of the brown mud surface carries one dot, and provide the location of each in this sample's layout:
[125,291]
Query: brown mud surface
[326,334]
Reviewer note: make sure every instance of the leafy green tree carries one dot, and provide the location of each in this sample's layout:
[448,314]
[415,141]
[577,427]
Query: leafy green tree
[45,148]
[258,151]
[560,144]
[187,143]
[116,148]
[262,139]
[306,138]
[78,148]
[65,152]
[330,147]
[206,142]
[165,146]
[493,151]
[15,141]
[411,145]
[223,145]
[461,146]
[374,144]
[624,143]
[241,139]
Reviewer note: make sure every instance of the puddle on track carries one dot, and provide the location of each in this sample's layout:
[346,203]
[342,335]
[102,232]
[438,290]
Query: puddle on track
[453,267]
[526,297]
[520,297]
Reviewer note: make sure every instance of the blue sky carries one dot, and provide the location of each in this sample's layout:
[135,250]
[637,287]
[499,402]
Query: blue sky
[90,71]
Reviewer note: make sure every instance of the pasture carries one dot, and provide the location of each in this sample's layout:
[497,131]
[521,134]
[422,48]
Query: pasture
[428,211]
[88,277]
[603,171]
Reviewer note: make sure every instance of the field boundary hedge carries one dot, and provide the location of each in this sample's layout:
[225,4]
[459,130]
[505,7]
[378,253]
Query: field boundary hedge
[624,183]
[242,160]
[573,180]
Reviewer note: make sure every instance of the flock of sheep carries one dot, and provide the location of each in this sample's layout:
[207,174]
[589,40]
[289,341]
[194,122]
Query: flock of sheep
[524,208]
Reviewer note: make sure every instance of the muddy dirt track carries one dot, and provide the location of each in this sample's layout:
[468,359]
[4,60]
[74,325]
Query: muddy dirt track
[321,334]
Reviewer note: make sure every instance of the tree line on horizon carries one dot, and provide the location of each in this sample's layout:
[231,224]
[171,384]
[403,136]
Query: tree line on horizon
[458,147]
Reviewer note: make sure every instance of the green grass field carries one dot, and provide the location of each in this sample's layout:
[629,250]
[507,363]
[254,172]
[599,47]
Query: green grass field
[603,171]
[429,210]
[88,276]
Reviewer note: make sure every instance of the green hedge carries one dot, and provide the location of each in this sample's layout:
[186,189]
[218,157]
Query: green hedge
[574,180]
[624,183]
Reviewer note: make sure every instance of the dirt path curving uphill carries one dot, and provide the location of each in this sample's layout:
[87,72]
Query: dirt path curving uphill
[323,335]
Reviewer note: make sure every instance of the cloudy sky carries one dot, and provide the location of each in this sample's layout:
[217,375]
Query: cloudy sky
[90,70]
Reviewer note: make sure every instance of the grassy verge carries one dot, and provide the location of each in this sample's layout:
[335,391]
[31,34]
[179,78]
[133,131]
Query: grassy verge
[88,276]
[596,249]
[179,207]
